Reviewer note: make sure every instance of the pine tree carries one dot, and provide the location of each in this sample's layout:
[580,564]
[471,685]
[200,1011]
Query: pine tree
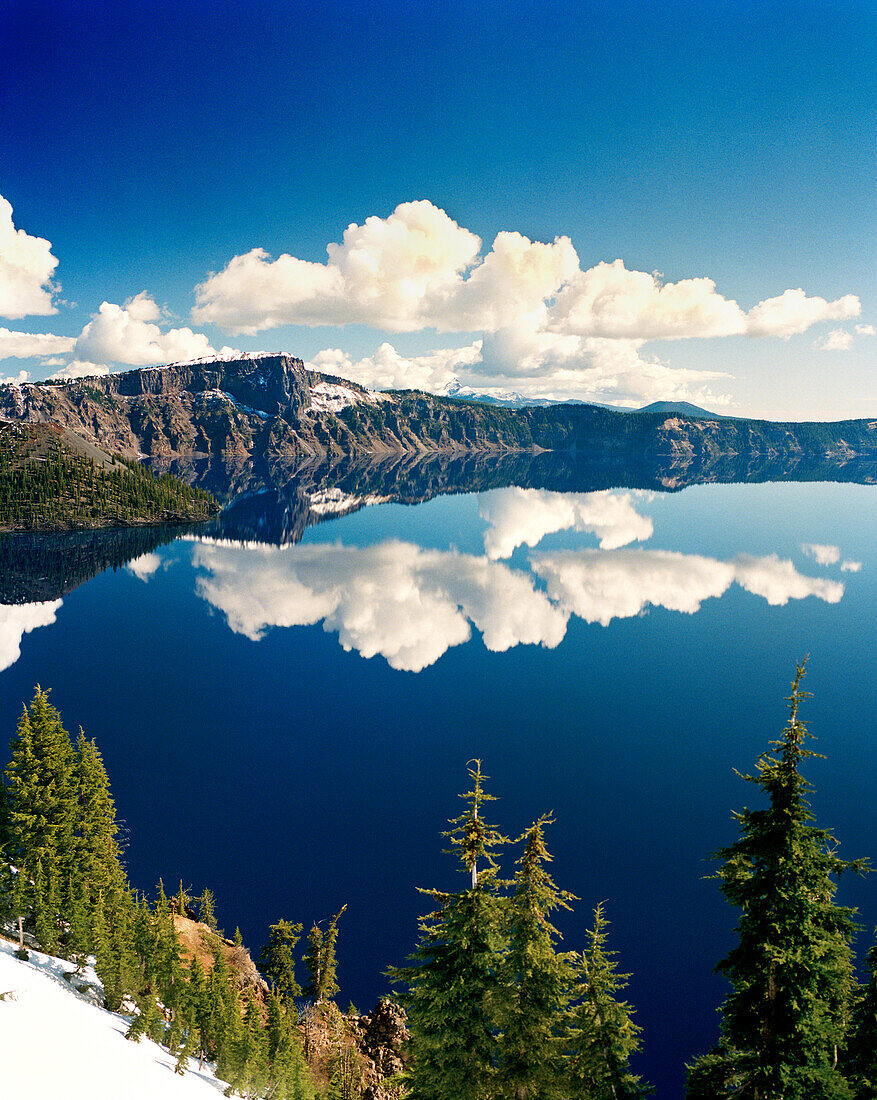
[207,909]
[41,814]
[601,1034]
[791,971]
[321,962]
[860,1060]
[278,959]
[453,980]
[536,979]
[97,850]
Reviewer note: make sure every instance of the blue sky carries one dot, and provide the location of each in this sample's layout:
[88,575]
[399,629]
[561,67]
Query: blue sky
[725,153]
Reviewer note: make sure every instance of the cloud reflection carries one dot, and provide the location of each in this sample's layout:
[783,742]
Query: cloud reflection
[394,598]
[525,516]
[16,620]
[600,586]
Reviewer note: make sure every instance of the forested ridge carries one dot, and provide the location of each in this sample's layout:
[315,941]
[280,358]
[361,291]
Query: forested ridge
[47,484]
[497,1008]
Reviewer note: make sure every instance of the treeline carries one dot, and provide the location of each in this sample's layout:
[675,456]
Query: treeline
[51,486]
[496,1010]
[63,887]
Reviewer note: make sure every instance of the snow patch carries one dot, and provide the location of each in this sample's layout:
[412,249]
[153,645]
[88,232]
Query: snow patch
[54,1043]
[332,397]
[221,395]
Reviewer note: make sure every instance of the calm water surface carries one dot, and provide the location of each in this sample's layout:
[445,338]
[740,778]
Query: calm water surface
[290,725]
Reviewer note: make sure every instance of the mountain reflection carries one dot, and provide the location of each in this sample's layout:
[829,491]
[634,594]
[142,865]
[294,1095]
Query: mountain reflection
[400,600]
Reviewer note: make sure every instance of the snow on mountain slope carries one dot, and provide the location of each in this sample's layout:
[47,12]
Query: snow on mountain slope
[55,1045]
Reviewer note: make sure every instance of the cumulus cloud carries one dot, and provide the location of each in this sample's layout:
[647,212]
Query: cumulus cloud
[80,368]
[127,334]
[31,345]
[388,370]
[610,301]
[534,364]
[16,379]
[823,553]
[525,516]
[395,599]
[850,566]
[865,330]
[26,269]
[382,274]
[17,620]
[836,340]
[419,269]
[600,586]
[793,312]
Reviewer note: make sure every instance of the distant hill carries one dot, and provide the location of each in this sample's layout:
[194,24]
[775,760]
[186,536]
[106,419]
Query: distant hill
[680,408]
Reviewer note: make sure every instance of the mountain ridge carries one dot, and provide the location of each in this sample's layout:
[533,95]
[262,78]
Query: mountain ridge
[273,406]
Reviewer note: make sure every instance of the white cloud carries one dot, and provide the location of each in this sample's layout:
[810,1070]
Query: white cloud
[419,269]
[535,364]
[388,370]
[30,345]
[836,340]
[395,599]
[865,330]
[16,379]
[26,269]
[793,312]
[823,553]
[610,301]
[850,566]
[381,275]
[125,334]
[600,586]
[81,368]
[16,620]
[525,516]
[142,307]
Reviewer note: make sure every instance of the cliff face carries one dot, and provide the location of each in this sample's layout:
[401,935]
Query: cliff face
[270,407]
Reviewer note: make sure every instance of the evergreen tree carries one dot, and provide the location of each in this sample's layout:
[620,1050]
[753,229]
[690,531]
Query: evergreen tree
[791,971]
[97,849]
[453,979]
[278,959]
[248,1069]
[602,1035]
[207,909]
[41,814]
[321,962]
[860,1061]
[536,979]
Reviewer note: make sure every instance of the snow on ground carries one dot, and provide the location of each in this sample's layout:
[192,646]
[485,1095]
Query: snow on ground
[333,397]
[221,395]
[55,1045]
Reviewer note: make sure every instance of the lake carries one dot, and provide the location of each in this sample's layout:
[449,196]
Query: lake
[286,701]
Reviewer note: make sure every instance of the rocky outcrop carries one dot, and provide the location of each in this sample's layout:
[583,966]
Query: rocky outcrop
[270,407]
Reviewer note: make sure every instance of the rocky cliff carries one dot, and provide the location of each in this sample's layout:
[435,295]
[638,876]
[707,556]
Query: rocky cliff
[273,408]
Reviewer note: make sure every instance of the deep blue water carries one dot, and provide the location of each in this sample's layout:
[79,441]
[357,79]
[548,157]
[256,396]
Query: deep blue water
[294,767]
